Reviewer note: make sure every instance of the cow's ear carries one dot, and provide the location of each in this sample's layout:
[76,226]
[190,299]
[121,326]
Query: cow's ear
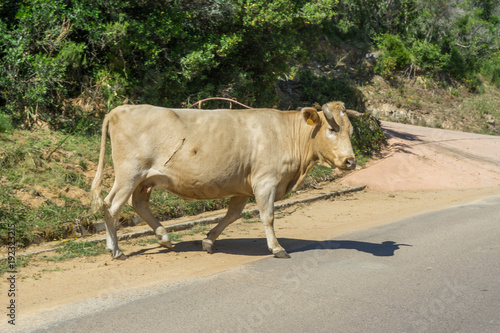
[311,116]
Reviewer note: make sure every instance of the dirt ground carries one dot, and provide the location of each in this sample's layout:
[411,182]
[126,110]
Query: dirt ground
[422,170]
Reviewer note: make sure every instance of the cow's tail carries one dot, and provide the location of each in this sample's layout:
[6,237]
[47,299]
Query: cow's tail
[96,190]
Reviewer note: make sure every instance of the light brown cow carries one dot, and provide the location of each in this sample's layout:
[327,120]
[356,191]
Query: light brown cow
[213,154]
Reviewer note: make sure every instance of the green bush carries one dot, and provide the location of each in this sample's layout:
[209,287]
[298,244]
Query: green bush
[490,69]
[368,136]
[319,89]
[394,54]
[428,56]
[456,64]
[5,123]
[433,31]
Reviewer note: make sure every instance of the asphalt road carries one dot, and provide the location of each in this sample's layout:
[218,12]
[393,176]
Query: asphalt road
[438,272]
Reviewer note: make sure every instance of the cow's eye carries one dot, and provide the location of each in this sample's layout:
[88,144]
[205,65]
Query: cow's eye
[332,130]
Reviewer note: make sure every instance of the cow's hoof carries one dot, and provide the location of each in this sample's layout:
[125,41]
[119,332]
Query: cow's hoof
[166,244]
[208,245]
[282,255]
[120,257]
[163,240]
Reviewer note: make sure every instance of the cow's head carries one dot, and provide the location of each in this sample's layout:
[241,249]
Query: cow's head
[332,132]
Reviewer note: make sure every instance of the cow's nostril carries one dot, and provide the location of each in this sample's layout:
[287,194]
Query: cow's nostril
[350,163]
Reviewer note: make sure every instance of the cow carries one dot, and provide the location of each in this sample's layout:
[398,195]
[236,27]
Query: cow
[213,154]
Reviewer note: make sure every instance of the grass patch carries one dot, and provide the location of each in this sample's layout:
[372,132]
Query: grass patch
[317,174]
[248,215]
[175,237]
[47,222]
[429,101]
[48,270]
[44,190]
[201,228]
[483,110]
[21,261]
[169,206]
[73,249]
[147,241]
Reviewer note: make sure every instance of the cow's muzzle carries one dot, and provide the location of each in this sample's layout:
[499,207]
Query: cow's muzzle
[350,163]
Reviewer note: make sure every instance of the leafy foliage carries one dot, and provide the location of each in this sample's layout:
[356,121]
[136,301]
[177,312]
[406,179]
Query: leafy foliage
[98,54]
[439,36]
[491,69]
[368,136]
[429,56]
[5,123]
[394,55]
[321,90]
[60,56]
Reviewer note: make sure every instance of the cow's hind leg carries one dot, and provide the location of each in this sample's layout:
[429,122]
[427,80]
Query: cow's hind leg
[140,202]
[113,204]
[236,205]
[265,201]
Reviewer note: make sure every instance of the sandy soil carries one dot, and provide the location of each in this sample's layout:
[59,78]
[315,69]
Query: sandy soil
[422,158]
[422,170]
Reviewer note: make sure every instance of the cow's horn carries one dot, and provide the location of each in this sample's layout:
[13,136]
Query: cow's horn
[352,113]
[329,117]
[327,112]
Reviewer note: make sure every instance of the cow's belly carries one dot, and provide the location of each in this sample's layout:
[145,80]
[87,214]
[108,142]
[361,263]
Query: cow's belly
[211,191]
[206,191]
[190,188]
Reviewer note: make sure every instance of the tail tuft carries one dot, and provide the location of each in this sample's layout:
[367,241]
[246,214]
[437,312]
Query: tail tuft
[97,203]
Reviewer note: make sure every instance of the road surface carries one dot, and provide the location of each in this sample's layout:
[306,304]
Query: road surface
[437,272]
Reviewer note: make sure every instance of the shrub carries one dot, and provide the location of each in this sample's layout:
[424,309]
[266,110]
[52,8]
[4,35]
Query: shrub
[368,136]
[491,69]
[394,54]
[318,89]
[5,123]
[456,64]
[428,56]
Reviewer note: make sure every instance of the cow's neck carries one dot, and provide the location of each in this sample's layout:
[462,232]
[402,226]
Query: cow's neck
[303,150]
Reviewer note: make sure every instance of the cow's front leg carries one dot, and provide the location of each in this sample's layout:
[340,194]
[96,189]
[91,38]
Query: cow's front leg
[265,201]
